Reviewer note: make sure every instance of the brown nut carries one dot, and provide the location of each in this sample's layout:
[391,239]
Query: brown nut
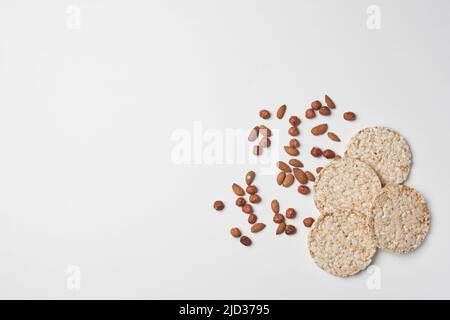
[280,178]
[251,189]
[281,111]
[288,181]
[291,213]
[278,218]
[349,116]
[265,142]
[254,198]
[300,176]
[325,111]
[252,218]
[294,121]
[318,169]
[237,189]
[290,230]
[310,176]
[250,177]
[240,202]
[329,154]
[316,152]
[296,163]
[284,167]
[246,241]
[333,136]
[218,205]
[257,150]
[281,227]
[292,151]
[316,104]
[253,135]
[294,143]
[310,113]
[304,190]
[257,227]
[293,131]
[265,131]
[235,232]
[265,114]
[320,129]
[308,222]
[329,102]
[275,205]
[247,208]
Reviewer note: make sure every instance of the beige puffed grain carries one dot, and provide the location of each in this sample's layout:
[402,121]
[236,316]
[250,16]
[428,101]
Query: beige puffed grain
[341,243]
[386,151]
[400,219]
[346,184]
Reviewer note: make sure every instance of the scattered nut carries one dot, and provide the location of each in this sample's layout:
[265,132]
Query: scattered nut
[265,131]
[333,137]
[257,150]
[296,163]
[304,190]
[252,218]
[294,121]
[278,218]
[320,129]
[245,241]
[235,232]
[253,135]
[240,202]
[218,205]
[257,227]
[316,152]
[349,116]
[310,113]
[329,102]
[249,177]
[293,131]
[280,178]
[310,176]
[281,111]
[265,114]
[265,142]
[291,213]
[254,198]
[325,111]
[288,181]
[329,154]
[308,222]
[275,205]
[247,208]
[318,169]
[294,143]
[281,227]
[292,151]
[251,189]
[300,176]
[315,105]
[284,167]
[290,230]
[237,190]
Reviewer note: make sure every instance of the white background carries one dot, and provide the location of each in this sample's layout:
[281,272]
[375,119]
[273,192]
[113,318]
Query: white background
[86,119]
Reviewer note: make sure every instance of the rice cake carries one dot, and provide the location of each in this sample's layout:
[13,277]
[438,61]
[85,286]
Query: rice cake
[386,151]
[341,243]
[400,219]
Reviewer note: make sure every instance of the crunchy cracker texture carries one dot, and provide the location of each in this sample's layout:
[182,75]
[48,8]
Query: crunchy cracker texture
[346,184]
[400,219]
[386,151]
[341,243]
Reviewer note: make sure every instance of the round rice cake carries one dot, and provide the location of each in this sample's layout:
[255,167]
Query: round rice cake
[341,243]
[400,219]
[346,184]
[386,151]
